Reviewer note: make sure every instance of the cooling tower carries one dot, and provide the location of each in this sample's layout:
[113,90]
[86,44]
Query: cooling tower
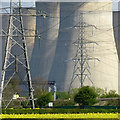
[44,48]
[29,23]
[52,55]
[104,73]
[116,24]
[62,67]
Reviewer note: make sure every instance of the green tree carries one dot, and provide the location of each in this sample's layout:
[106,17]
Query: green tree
[85,96]
[44,99]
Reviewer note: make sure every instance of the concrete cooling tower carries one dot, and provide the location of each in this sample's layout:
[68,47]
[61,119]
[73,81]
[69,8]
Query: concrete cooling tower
[44,49]
[52,56]
[29,23]
[116,24]
[105,71]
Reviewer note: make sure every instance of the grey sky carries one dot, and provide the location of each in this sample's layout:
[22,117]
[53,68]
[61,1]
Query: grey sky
[31,3]
[115,6]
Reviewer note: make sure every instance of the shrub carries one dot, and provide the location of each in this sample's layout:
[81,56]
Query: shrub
[113,102]
[60,102]
[73,92]
[62,95]
[98,91]
[110,94]
[85,96]
[44,99]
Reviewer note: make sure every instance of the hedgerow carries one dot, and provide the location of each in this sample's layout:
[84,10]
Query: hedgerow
[57,111]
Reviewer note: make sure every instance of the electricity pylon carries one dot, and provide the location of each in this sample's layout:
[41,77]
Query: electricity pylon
[81,69]
[16,56]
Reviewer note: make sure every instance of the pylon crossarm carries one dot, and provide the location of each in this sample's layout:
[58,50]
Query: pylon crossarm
[19,35]
[5,10]
[27,32]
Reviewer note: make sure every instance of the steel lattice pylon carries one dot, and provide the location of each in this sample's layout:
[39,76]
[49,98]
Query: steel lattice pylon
[81,65]
[16,57]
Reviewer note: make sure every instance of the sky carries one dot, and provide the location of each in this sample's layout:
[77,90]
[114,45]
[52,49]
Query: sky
[31,3]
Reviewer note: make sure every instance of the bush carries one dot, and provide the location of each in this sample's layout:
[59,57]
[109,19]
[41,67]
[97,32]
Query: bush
[73,92]
[63,103]
[113,102]
[98,91]
[62,95]
[85,96]
[25,104]
[44,99]
[110,94]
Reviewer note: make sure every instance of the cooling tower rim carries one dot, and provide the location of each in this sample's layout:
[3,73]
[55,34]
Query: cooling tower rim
[59,1]
[116,11]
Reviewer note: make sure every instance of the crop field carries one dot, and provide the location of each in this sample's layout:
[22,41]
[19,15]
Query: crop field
[62,116]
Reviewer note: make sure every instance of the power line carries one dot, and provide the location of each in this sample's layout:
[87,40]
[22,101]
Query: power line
[69,16]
